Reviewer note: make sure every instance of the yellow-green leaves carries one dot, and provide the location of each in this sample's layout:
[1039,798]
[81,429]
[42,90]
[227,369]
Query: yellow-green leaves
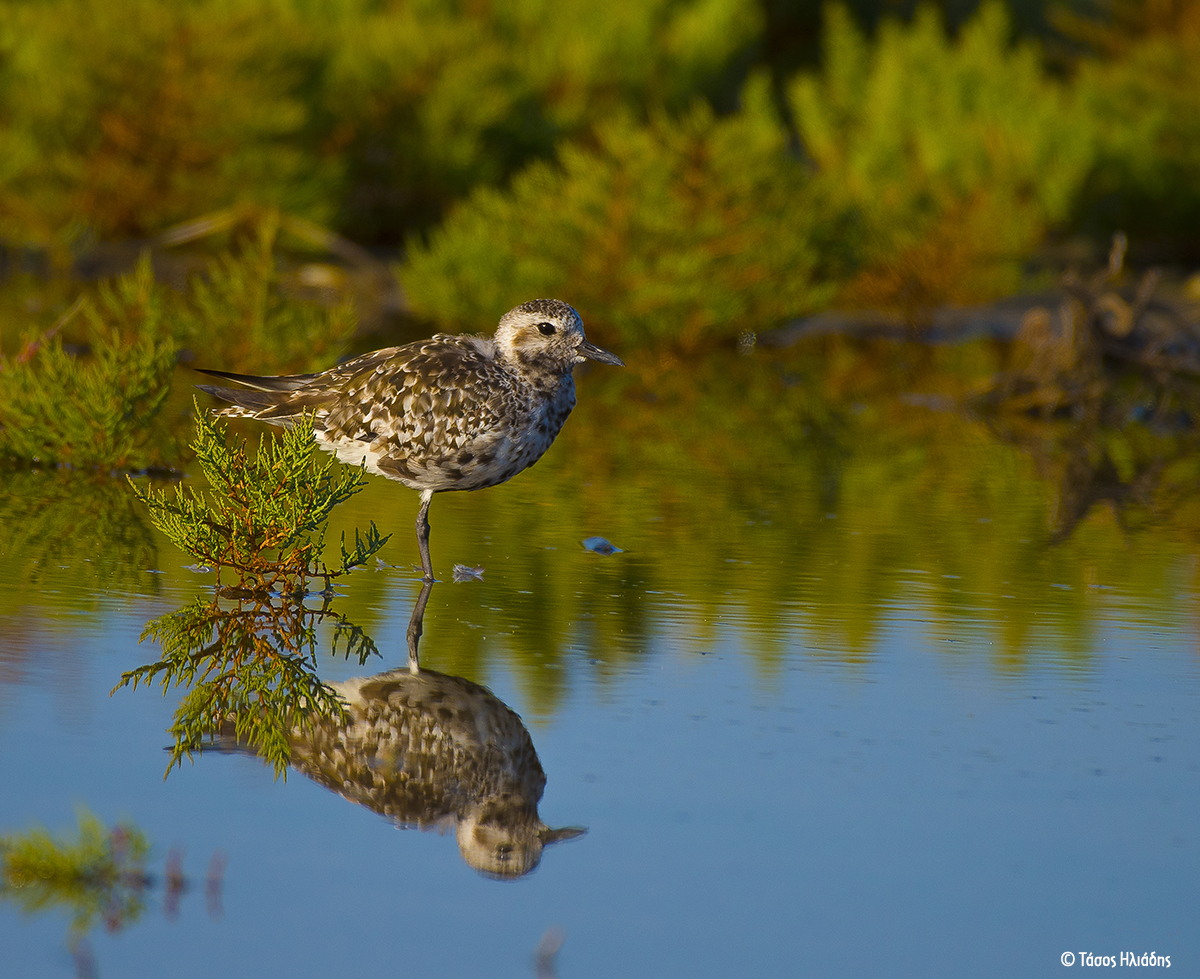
[264,516]
[95,410]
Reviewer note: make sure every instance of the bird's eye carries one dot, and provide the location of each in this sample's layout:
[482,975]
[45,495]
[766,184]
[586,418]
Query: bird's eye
[546,329]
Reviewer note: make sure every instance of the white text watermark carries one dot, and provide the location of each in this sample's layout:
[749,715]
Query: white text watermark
[1132,960]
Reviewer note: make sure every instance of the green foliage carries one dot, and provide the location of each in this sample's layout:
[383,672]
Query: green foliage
[237,312]
[119,119]
[95,411]
[1146,107]
[578,152]
[251,670]
[253,665]
[675,231]
[954,156]
[99,874]
[102,409]
[429,99]
[264,518]
[940,165]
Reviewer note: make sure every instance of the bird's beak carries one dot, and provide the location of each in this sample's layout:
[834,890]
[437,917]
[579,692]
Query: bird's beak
[589,351]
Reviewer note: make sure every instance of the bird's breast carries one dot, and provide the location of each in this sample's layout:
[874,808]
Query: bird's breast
[464,443]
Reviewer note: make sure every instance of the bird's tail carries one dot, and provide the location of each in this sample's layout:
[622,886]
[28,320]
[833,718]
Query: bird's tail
[272,399]
[284,382]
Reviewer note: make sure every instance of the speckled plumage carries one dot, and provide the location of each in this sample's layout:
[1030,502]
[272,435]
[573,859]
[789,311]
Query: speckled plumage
[447,413]
[432,751]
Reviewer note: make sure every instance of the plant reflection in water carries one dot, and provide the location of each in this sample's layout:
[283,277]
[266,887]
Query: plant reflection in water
[251,663]
[99,876]
[424,749]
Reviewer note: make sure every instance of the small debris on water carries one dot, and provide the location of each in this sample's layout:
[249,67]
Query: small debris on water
[598,545]
[463,573]
[198,568]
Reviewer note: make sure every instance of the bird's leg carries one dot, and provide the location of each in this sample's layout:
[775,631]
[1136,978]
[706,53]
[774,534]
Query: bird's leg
[423,535]
[416,625]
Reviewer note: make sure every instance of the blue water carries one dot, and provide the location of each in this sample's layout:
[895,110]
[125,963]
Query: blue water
[918,816]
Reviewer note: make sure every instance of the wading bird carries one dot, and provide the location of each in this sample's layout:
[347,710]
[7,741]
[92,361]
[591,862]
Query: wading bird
[447,413]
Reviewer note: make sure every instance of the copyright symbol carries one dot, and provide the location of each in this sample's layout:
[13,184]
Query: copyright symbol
[1068,958]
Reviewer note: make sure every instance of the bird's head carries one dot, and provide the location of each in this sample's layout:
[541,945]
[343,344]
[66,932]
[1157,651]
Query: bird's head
[546,334]
[503,838]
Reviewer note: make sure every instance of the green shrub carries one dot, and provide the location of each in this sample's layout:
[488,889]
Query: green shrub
[939,165]
[264,517]
[94,411]
[1145,105]
[952,157]
[426,100]
[88,391]
[121,118]
[673,231]
[238,315]
[923,168]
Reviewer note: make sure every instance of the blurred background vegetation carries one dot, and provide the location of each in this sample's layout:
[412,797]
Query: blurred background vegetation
[680,169]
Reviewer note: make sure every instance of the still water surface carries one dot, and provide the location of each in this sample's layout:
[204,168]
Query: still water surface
[873,688]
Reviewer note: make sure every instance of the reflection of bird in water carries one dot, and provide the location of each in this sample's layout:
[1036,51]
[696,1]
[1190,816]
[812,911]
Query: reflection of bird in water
[432,751]
[423,747]
[448,413]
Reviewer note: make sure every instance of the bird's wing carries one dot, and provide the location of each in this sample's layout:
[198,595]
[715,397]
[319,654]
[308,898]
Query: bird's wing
[441,392]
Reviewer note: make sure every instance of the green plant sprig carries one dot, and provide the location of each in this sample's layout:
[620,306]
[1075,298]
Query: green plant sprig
[264,518]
